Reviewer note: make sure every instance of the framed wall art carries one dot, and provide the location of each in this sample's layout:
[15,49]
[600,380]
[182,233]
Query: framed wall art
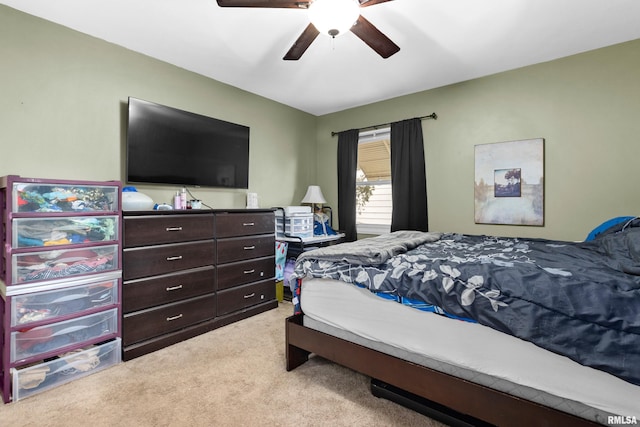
[509,182]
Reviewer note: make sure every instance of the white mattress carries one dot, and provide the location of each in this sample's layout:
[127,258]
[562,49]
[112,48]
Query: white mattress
[468,350]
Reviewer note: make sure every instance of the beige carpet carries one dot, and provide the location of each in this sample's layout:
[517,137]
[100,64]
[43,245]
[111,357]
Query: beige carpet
[233,376]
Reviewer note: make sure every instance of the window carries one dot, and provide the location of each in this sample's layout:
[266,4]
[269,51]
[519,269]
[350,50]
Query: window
[373,182]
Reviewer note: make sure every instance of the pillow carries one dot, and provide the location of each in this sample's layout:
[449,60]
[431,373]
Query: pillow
[607,225]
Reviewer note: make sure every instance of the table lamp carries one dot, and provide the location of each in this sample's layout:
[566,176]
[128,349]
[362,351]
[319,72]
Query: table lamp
[314,197]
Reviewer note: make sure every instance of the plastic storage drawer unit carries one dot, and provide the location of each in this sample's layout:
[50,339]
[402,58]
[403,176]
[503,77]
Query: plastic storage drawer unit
[66,367]
[60,280]
[299,225]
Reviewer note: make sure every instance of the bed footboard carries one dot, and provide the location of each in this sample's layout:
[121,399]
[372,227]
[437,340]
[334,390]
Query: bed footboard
[465,397]
[295,337]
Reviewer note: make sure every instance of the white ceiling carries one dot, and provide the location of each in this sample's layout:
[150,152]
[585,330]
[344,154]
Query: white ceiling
[441,42]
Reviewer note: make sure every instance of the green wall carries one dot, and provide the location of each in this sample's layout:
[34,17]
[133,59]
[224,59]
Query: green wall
[586,107]
[63,113]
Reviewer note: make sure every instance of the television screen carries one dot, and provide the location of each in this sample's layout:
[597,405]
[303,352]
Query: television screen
[170,146]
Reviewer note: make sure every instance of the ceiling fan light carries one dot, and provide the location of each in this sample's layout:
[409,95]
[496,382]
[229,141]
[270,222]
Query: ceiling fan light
[334,17]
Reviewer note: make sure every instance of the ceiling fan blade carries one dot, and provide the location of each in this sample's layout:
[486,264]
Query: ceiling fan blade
[365,3]
[376,40]
[290,4]
[304,41]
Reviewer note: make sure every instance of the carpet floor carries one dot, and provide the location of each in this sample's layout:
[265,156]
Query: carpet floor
[232,376]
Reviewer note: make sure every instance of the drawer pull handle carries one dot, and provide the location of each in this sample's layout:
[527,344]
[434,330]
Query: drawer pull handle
[248,224]
[174,228]
[250,296]
[174,288]
[249,248]
[174,258]
[253,270]
[169,319]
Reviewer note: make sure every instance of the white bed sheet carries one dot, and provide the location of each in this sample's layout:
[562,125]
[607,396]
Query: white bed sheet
[466,345]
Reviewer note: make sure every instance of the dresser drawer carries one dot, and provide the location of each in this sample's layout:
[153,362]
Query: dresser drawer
[49,338]
[241,297]
[162,259]
[244,224]
[151,230]
[150,292]
[242,248]
[167,318]
[239,273]
[67,367]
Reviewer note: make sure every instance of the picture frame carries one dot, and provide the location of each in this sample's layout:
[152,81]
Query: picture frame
[509,183]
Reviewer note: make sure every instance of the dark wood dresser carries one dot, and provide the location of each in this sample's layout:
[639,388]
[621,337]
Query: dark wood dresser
[188,272]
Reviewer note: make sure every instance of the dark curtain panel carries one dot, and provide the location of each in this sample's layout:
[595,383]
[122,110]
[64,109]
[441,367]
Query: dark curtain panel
[408,177]
[347,164]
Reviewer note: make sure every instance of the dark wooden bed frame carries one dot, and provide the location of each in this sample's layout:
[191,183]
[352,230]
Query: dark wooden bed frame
[477,401]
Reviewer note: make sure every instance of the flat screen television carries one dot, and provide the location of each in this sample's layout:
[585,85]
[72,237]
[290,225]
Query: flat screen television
[166,145]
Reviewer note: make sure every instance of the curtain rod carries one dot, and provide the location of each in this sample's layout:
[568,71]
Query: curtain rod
[433,116]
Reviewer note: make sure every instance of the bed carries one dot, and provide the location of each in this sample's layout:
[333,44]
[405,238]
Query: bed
[507,331]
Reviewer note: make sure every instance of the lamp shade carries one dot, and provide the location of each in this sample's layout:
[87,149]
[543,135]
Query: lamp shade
[314,195]
[334,17]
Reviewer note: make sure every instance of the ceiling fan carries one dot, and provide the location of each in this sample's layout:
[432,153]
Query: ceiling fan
[318,11]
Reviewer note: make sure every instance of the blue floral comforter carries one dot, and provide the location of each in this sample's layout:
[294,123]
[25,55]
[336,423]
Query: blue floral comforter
[577,299]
